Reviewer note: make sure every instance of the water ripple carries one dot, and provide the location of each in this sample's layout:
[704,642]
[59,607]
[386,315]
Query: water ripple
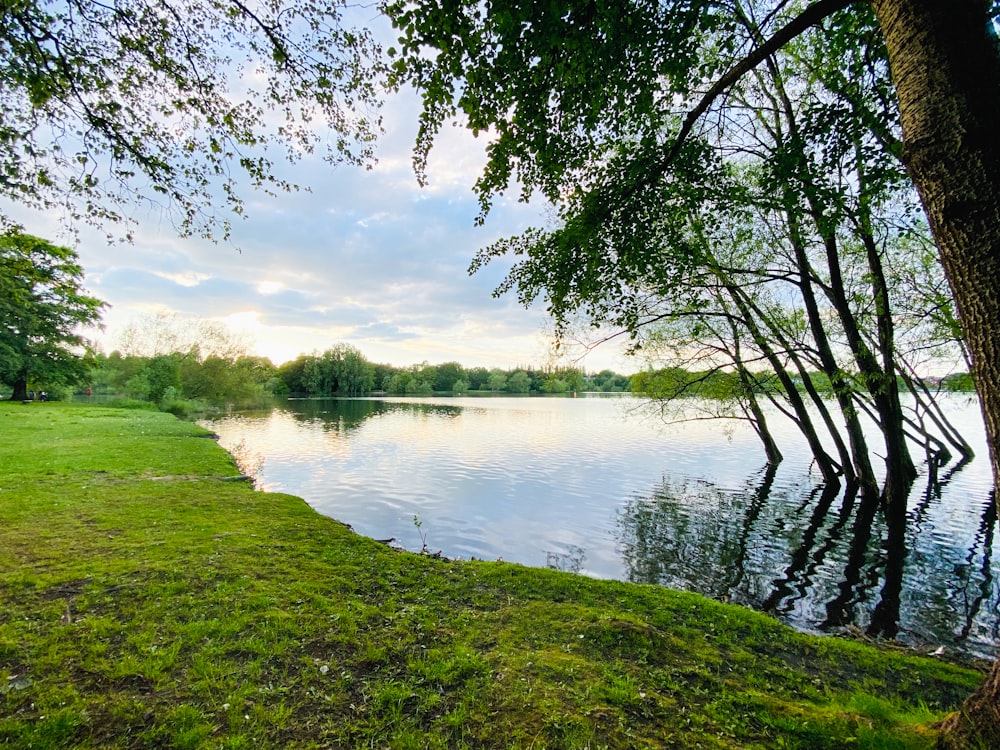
[582,485]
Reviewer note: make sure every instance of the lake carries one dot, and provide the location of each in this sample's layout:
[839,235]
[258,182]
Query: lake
[595,486]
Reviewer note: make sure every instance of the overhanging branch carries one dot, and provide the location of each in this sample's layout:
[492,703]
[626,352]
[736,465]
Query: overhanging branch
[811,16]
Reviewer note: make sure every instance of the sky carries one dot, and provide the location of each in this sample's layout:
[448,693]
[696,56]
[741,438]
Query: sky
[368,258]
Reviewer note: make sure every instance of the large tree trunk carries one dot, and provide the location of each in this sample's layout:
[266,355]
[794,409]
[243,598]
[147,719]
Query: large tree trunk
[20,387]
[946,68]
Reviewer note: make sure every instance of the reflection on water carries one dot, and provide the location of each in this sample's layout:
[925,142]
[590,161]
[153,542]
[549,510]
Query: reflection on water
[820,559]
[580,485]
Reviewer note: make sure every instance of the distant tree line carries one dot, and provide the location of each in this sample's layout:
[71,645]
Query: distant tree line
[169,379]
[184,362]
[725,385]
[218,369]
[343,370]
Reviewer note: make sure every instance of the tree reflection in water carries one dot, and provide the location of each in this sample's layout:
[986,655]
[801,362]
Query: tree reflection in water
[342,415]
[570,561]
[843,563]
[972,596]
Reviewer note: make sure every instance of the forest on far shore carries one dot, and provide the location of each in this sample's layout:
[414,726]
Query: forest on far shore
[188,380]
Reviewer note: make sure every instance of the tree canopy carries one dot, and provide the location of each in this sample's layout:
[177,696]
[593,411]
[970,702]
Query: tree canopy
[42,306]
[758,241]
[612,112]
[175,104]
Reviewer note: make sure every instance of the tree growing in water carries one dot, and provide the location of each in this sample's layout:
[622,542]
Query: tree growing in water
[777,222]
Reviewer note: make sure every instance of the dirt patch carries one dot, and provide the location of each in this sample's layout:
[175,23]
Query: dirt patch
[65,590]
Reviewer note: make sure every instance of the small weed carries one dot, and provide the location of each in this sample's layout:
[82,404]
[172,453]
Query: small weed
[417,523]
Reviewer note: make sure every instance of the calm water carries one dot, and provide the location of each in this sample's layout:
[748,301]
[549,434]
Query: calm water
[590,486]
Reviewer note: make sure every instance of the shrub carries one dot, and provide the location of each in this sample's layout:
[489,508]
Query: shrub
[131,403]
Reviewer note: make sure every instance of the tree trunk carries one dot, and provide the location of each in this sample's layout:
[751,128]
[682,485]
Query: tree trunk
[758,419]
[945,65]
[858,458]
[883,385]
[827,466]
[841,388]
[976,724]
[759,423]
[20,386]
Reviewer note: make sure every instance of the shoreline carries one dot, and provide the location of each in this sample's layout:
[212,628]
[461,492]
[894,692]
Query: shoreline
[201,613]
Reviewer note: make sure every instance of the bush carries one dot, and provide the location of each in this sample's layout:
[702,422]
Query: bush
[131,403]
[178,408]
[183,407]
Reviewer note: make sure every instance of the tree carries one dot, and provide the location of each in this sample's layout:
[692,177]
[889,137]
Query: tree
[42,306]
[357,375]
[161,333]
[497,380]
[382,375]
[518,382]
[160,376]
[218,379]
[447,374]
[554,385]
[610,381]
[172,104]
[400,382]
[426,374]
[804,198]
[292,374]
[565,88]
[112,372]
[342,369]
[478,377]
[946,66]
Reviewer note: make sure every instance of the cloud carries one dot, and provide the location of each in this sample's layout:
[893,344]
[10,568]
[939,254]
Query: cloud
[384,332]
[365,256]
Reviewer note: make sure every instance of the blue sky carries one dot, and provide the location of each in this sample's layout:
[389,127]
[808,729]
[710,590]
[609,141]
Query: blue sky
[367,257]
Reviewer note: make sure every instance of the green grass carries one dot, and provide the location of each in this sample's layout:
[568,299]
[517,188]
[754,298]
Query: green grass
[147,602]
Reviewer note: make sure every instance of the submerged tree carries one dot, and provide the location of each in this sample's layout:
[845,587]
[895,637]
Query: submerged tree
[770,232]
[42,306]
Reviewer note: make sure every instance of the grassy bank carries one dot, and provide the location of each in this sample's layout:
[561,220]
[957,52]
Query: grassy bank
[146,600]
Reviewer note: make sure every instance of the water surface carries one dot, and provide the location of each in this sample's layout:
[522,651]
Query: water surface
[591,486]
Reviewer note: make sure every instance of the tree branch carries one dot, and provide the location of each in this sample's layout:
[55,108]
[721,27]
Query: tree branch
[811,16]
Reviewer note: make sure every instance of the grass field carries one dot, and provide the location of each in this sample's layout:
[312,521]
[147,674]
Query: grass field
[148,600]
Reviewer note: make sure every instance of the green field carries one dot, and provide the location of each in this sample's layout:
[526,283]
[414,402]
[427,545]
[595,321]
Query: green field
[148,600]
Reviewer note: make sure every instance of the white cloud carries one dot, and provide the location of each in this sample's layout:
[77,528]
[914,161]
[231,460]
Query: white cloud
[268,288]
[187,278]
[366,257]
